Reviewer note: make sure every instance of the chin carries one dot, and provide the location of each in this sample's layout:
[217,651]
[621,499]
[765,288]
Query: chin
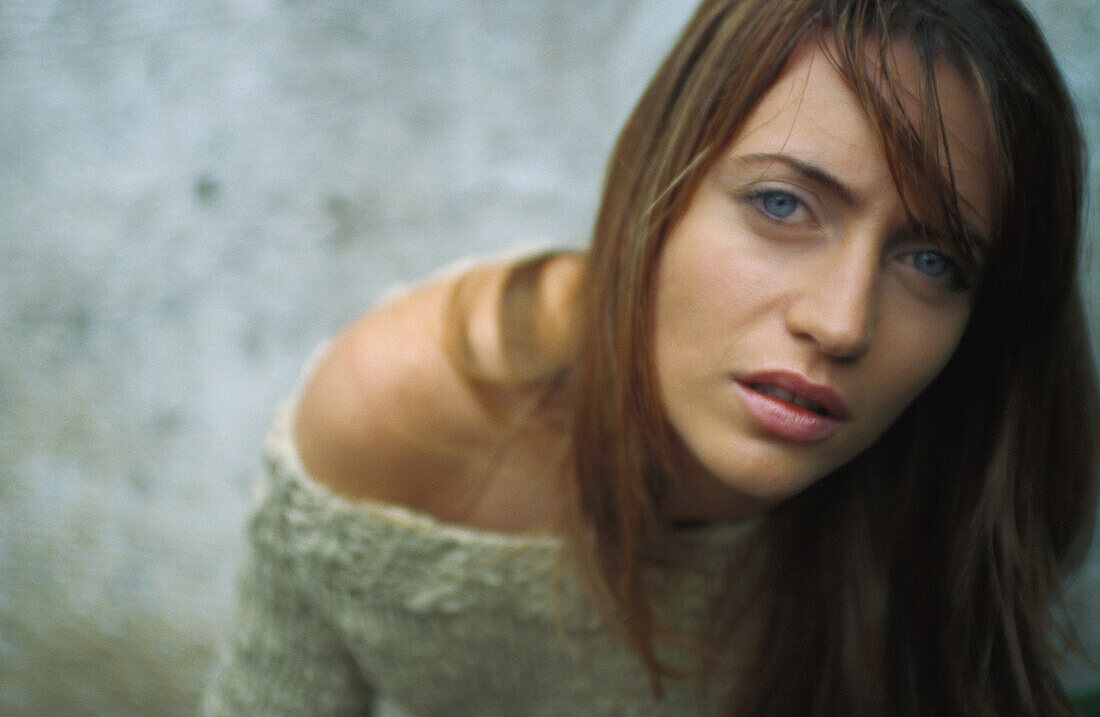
[771,479]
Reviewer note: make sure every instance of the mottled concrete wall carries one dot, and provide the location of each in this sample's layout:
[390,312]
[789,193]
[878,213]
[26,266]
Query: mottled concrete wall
[194,193]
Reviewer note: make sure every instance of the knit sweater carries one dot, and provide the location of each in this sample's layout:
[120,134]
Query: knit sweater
[341,601]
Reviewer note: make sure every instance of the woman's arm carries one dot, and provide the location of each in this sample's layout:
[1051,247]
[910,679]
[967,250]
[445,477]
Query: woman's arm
[281,657]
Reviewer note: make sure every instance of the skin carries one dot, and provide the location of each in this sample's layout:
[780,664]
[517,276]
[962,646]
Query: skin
[796,254]
[386,417]
[831,290]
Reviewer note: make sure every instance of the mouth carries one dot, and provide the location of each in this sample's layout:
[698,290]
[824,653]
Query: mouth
[793,389]
[783,394]
[786,404]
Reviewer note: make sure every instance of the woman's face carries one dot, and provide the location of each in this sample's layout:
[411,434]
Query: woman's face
[799,310]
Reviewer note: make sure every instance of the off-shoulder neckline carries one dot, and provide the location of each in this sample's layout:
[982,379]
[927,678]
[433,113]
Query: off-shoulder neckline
[282,450]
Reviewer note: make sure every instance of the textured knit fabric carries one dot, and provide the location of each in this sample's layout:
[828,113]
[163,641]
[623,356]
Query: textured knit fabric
[341,600]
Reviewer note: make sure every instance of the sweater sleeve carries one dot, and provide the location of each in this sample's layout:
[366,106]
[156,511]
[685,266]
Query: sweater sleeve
[282,657]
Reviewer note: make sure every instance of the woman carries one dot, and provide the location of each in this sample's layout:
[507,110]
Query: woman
[815,416]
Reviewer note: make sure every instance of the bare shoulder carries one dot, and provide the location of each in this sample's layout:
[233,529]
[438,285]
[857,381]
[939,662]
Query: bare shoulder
[385,412]
[387,415]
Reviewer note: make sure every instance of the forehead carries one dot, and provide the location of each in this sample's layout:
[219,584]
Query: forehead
[813,114]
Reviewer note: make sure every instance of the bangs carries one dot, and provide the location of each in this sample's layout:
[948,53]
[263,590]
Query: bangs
[908,114]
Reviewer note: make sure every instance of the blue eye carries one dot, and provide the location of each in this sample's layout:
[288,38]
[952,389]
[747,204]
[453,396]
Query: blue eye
[941,269]
[780,205]
[932,264]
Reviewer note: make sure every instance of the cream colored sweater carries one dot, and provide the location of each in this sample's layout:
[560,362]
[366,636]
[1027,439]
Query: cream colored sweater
[340,601]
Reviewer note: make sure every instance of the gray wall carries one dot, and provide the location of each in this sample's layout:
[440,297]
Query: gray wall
[194,193]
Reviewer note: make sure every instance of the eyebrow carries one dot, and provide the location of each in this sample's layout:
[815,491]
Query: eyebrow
[809,171]
[846,194]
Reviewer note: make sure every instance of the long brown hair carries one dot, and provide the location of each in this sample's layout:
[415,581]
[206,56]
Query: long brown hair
[921,577]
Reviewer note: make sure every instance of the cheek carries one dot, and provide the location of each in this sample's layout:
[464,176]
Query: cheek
[704,316]
[891,385]
[708,290]
[913,360]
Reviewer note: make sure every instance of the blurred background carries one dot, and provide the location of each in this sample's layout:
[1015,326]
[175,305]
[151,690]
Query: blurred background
[193,194]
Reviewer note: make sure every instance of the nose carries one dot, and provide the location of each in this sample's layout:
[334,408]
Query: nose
[836,305]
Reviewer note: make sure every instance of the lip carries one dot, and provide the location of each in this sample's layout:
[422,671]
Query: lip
[786,419]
